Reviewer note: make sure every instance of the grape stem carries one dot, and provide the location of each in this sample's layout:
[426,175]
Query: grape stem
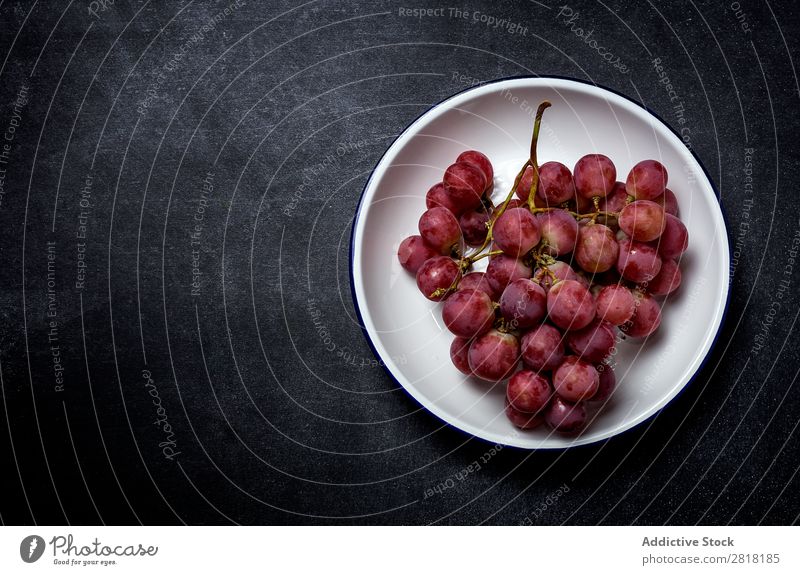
[592,216]
[537,122]
[485,255]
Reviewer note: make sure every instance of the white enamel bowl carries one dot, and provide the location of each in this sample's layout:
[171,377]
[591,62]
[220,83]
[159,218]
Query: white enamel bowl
[406,330]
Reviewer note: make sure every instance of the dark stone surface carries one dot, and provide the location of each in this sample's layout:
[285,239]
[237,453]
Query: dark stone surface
[270,426]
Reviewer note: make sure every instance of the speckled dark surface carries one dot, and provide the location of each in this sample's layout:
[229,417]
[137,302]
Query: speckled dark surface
[268,424]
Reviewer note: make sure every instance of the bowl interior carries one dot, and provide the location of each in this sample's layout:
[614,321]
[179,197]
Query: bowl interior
[406,329]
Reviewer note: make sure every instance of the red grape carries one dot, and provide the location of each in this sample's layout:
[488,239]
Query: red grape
[646,319]
[437,197]
[613,203]
[521,419]
[440,230]
[615,304]
[503,269]
[570,305]
[480,161]
[459,349]
[647,180]
[524,184]
[642,220]
[638,262]
[594,175]
[555,183]
[523,303]
[564,416]
[478,281]
[575,380]
[608,381]
[667,280]
[675,239]
[528,391]
[593,343]
[559,232]
[597,249]
[473,226]
[669,202]
[435,274]
[413,252]
[494,355]
[468,313]
[542,348]
[616,199]
[516,232]
[465,184]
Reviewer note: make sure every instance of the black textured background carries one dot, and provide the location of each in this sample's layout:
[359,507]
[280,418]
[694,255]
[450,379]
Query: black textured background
[270,425]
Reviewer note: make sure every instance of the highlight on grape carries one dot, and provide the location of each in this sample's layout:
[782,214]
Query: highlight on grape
[574,258]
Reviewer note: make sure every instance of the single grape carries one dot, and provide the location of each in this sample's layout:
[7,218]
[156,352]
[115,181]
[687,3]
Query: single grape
[523,420]
[465,184]
[638,262]
[440,230]
[524,184]
[564,416]
[646,319]
[593,343]
[473,226]
[513,203]
[468,313]
[494,355]
[437,197]
[528,391]
[608,382]
[597,249]
[437,273]
[559,232]
[516,232]
[669,202]
[646,180]
[503,269]
[675,239]
[561,271]
[413,252]
[570,305]
[542,348]
[523,303]
[615,304]
[594,175]
[555,183]
[459,350]
[478,281]
[613,203]
[616,199]
[642,220]
[480,161]
[667,280]
[575,380]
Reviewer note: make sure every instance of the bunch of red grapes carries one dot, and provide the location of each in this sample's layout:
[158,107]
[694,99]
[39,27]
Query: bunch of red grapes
[573,258]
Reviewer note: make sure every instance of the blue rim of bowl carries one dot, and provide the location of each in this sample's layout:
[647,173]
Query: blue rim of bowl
[380,359]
